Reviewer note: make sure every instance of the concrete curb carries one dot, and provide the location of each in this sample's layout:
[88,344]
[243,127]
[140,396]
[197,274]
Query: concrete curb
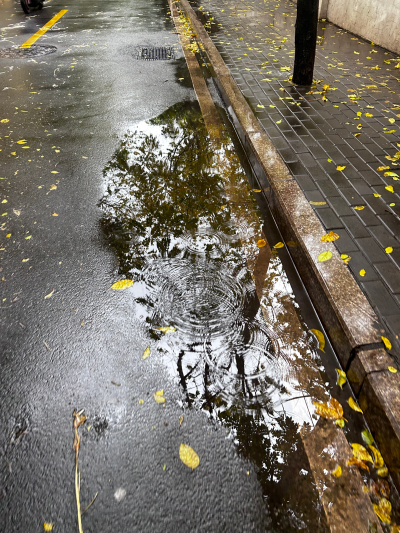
[348,318]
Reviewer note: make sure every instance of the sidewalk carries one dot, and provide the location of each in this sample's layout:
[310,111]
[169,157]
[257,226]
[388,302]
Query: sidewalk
[335,140]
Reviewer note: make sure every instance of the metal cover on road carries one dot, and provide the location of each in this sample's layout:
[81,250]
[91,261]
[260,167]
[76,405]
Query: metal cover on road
[152,53]
[26,53]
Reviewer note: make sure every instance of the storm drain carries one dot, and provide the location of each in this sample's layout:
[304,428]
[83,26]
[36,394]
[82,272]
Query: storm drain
[26,53]
[154,53]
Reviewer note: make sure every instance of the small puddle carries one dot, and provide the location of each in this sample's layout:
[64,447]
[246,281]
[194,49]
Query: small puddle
[184,223]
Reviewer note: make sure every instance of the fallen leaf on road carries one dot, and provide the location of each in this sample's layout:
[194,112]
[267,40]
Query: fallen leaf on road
[188,456]
[16,212]
[330,237]
[325,256]
[261,243]
[141,402]
[53,187]
[341,378]
[361,453]
[180,420]
[320,338]
[392,369]
[387,343]
[54,215]
[337,472]
[49,295]
[331,411]
[353,405]
[4,120]
[47,526]
[167,329]
[159,396]
[122,284]
[146,353]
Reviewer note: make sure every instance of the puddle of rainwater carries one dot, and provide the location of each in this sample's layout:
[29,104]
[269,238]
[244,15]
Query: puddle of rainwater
[184,224]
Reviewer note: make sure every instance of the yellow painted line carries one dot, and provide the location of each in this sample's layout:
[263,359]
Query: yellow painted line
[43,29]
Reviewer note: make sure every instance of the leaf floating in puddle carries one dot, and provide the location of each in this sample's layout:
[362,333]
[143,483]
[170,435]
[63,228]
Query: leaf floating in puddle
[122,284]
[261,243]
[330,237]
[325,256]
[320,338]
[378,459]
[387,343]
[317,203]
[353,405]
[367,437]
[337,472]
[361,453]
[167,329]
[392,369]
[146,353]
[356,462]
[159,396]
[331,411]
[279,245]
[341,377]
[188,456]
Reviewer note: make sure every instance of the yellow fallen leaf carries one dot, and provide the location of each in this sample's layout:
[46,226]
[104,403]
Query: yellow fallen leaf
[341,377]
[141,402]
[377,195]
[317,203]
[49,295]
[359,207]
[389,250]
[337,472]
[340,168]
[159,398]
[188,456]
[359,127]
[22,141]
[54,172]
[329,237]
[261,243]
[159,392]
[4,120]
[391,131]
[8,235]
[387,343]
[383,472]
[391,175]
[392,120]
[54,215]
[378,459]
[392,369]
[368,115]
[167,329]
[346,258]
[28,237]
[356,462]
[260,105]
[340,422]
[53,187]
[47,526]
[362,273]
[122,284]
[361,453]
[382,168]
[279,245]
[25,260]
[4,201]
[353,405]
[256,190]
[320,338]
[278,121]
[331,411]
[381,512]
[146,353]
[325,256]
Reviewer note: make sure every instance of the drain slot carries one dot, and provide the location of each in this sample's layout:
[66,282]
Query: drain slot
[155,53]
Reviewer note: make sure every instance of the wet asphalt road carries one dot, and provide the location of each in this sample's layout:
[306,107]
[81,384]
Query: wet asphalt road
[63,352]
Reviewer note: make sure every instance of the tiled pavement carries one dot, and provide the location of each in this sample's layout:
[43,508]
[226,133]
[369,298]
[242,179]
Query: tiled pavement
[347,126]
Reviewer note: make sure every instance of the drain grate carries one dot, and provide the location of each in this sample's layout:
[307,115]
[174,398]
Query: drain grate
[25,53]
[153,53]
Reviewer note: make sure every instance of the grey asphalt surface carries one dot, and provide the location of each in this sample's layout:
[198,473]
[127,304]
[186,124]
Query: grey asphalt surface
[72,107]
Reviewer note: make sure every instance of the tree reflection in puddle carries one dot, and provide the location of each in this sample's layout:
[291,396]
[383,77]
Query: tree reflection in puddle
[183,222]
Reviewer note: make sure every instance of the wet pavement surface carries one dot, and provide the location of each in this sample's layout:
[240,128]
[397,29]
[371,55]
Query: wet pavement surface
[108,172]
[339,138]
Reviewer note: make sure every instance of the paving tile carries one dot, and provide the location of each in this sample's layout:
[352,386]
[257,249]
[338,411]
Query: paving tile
[354,226]
[351,196]
[390,274]
[380,297]
[393,322]
[340,206]
[372,250]
[329,219]
[384,237]
[359,263]
[345,244]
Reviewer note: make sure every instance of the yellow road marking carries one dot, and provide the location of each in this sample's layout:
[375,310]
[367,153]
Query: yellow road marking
[43,29]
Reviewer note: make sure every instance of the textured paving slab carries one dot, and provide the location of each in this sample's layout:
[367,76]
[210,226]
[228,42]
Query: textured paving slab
[353,124]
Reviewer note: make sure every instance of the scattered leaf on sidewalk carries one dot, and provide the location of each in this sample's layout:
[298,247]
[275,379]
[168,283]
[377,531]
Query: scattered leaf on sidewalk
[392,369]
[337,472]
[260,105]
[261,243]
[341,377]
[122,284]
[320,338]
[188,456]
[317,203]
[391,175]
[49,295]
[146,353]
[330,237]
[325,256]
[361,453]
[389,250]
[256,190]
[167,329]
[346,258]
[387,343]
[159,396]
[383,510]
[359,207]
[141,402]
[53,187]
[279,245]
[340,168]
[353,405]
[47,526]
[382,168]
[331,410]
[389,188]
[378,460]
[362,273]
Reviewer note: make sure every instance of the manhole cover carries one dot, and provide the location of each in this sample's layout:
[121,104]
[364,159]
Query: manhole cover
[26,53]
[152,53]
